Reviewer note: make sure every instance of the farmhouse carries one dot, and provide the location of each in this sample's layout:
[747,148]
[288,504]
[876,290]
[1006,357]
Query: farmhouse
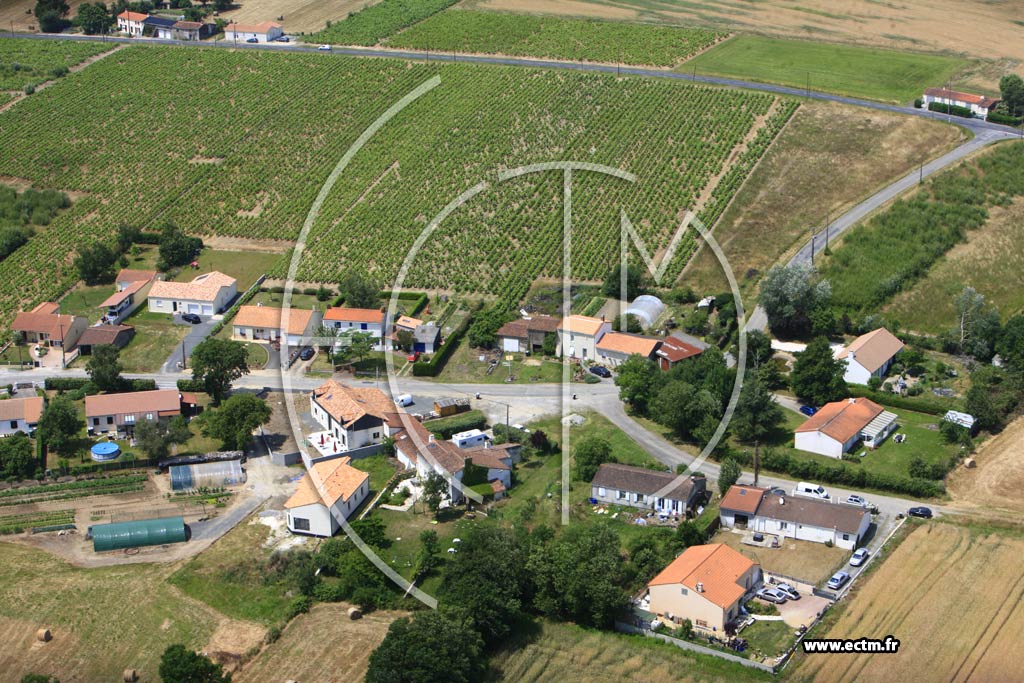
[206,294]
[616,347]
[329,491]
[131,23]
[119,413]
[674,350]
[186,30]
[805,519]
[526,335]
[578,336]
[352,418]
[978,104]
[639,487]
[263,32]
[706,584]
[160,27]
[838,426]
[105,335]
[870,355]
[368,320]
[20,415]
[45,324]
[263,323]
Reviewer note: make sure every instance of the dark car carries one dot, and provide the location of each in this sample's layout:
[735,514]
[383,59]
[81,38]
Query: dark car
[306,353]
[808,410]
[600,371]
[252,40]
[920,511]
[191,318]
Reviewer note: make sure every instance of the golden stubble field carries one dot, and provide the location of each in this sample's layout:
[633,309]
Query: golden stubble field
[994,485]
[952,596]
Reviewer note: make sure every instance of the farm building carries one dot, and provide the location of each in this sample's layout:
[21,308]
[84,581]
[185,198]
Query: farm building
[706,584]
[616,347]
[105,335]
[578,336]
[369,320]
[207,475]
[181,30]
[263,32]
[119,413]
[675,349]
[870,355]
[138,534]
[45,324]
[20,415]
[526,335]
[450,406]
[980,105]
[207,294]
[639,487]
[840,425]
[330,490]
[647,309]
[263,323]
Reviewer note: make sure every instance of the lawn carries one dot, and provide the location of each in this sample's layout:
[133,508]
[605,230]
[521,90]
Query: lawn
[244,266]
[299,300]
[810,562]
[771,638]
[404,529]
[85,301]
[156,337]
[871,73]
[379,468]
[465,367]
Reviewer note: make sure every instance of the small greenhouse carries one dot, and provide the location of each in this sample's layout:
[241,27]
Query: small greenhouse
[647,309]
[138,534]
[207,475]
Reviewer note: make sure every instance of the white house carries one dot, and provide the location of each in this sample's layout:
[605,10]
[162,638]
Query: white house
[119,413]
[368,320]
[578,336]
[263,323]
[838,426]
[643,488]
[131,23]
[207,294]
[132,289]
[615,347]
[331,490]
[979,105]
[870,355]
[179,30]
[263,32]
[352,417]
[20,415]
[806,519]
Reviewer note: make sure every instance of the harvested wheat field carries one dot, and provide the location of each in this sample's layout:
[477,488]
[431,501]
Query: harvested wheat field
[994,485]
[323,645]
[299,15]
[951,596]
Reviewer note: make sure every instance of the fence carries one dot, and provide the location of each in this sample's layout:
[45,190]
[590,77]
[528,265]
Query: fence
[694,647]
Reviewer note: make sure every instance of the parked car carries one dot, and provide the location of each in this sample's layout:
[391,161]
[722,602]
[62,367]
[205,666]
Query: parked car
[859,557]
[251,40]
[191,318]
[283,39]
[307,353]
[920,511]
[771,595]
[788,591]
[324,48]
[404,400]
[838,580]
[600,371]
[808,410]
[413,357]
[857,500]
[811,490]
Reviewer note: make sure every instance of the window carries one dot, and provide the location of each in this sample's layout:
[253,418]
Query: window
[641,498]
[846,537]
[783,525]
[701,623]
[149,416]
[96,422]
[14,424]
[621,495]
[684,591]
[362,326]
[300,524]
[110,419]
[376,435]
[601,491]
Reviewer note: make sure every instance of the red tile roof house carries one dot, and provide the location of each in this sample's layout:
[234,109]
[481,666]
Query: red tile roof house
[618,484]
[263,323]
[840,425]
[526,335]
[131,22]
[44,324]
[20,415]
[132,289]
[870,355]
[578,336]
[119,413]
[675,350]
[331,490]
[615,347]
[352,418]
[978,104]
[368,320]
[263,32]
[207,294]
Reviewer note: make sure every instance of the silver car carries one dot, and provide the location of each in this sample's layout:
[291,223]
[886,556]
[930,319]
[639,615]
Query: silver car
[859,557]
[857,500]
[771,595]
[838,580]
[788,591]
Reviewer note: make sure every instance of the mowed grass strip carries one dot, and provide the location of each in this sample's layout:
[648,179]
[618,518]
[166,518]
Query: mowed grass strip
[871,73]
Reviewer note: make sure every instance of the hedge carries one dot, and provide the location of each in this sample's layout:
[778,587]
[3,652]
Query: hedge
[433,367]
[191,385]
[951,109]
[852,476]
[421,299]
[918,404]
[84,384]
[1006,119]
[446,426]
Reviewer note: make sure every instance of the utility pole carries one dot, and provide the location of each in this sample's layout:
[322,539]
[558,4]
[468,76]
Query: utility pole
[828,219]
[920,178]
[184,361]
[812,246]
[807,89]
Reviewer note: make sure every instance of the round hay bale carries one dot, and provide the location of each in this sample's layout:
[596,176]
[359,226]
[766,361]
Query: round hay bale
[354,613]
[43,635]
[130,676]
[969,463]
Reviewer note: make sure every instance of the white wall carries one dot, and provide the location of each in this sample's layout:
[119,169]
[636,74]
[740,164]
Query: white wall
[816,442]
[320,521]
[855,372]
[20,426]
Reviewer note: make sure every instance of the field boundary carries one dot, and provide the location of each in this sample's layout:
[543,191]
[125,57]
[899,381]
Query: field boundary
[623,627]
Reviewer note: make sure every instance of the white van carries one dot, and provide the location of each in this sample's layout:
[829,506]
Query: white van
[810,490]
[404,400]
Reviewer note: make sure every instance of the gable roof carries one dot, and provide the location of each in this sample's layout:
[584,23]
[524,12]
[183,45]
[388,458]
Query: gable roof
[874,349]
[132,16]
[969,98]
[715,566]
[522,327]
[628,344]
[641,480]
[348,404]
[103,334]
[188,25]
[809,511]
[28,409]
[355,315]
[427,332]
[842,420]
[406,321]
[674,349]
[130,275]
[582,324]
[269,317]
[117,297]
[203,287]
[742,499]
[43,319]
[327,482]
[162,402]
[161,22]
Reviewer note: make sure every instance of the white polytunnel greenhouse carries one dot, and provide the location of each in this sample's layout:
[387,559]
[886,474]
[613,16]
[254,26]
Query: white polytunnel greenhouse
[647,309]
[207,475]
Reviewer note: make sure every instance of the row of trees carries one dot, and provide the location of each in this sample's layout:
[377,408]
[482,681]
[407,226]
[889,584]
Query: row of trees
[96,262]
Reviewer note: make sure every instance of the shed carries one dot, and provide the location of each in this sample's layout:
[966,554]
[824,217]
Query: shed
[450,406]
[647,309]
[207,474]
[138,534]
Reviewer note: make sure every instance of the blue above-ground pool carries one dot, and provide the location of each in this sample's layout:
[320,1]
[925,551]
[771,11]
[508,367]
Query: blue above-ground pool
[108,450]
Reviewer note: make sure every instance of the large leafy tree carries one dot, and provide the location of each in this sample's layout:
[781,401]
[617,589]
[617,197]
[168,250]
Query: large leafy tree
[95,264]
[977,324]
[235,420]
[359,291]
[589,454]
[181,665]
[1011,87]
[1011,343]
[757,415]
[176,248]
[638,379]
[104,367]
[93,18]
[817,376]
[431,647]
[217,363]
[691,411]
[17,457]
[790,295]
[483,331]
[60,425]
[636,282]
[50,14]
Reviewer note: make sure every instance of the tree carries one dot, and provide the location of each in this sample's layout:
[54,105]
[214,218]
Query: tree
[728,474]
[405,339]
[550,345]
[540,441]
[104,367]
[589,454]
[221,5]
[757,415]
[435,488]
[636,282]
[217,363]
[692,413]
[633,324]
[427,558]
[51,14]
[60,425]
[977,325]
[17,457]
[817,376]
[979,403]
[181,665]
[759,349]
[790,295]
[154,438]
[127,235]
[233,423]
[359,291]
[1011,343]
[431,647]
[95,264]
[638,379]
[483,331]
[1011,87]
[176,248]
[352,346]
[93,18]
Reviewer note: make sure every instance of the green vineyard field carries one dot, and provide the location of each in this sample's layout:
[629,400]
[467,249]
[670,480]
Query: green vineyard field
[30,62]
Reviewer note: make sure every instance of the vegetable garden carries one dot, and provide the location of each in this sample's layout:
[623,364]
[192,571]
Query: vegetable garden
[244,150]
[15,524]
[72,489]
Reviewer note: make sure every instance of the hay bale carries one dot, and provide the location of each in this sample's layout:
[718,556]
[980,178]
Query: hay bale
[354,613]
[969,463]
[43,635]
[130,676]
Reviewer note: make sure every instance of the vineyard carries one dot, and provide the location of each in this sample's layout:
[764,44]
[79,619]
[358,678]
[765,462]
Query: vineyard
[30,62]
[554,37]
[372,24]
[243,151]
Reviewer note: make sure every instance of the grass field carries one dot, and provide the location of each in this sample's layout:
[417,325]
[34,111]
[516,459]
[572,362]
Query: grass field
[812,562]
[244,266]
[828,158]
[951,595]
[252,169]
[31,62]
[555,37]
[874,74]
[156,337]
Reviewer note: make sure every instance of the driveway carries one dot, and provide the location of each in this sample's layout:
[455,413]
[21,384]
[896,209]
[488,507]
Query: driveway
[804,611]
[195,336]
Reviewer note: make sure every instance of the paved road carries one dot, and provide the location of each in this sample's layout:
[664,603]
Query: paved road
[195,336]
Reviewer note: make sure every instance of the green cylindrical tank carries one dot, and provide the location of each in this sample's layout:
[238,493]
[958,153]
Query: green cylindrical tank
[137,534]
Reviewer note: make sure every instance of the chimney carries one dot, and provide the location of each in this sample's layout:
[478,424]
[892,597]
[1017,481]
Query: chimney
[700,587]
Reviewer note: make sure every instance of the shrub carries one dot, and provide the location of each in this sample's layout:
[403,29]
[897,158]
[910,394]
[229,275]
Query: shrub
[1005,119]
[918,103]
[191,385]
[446,426]
[30,89]
[963,112]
